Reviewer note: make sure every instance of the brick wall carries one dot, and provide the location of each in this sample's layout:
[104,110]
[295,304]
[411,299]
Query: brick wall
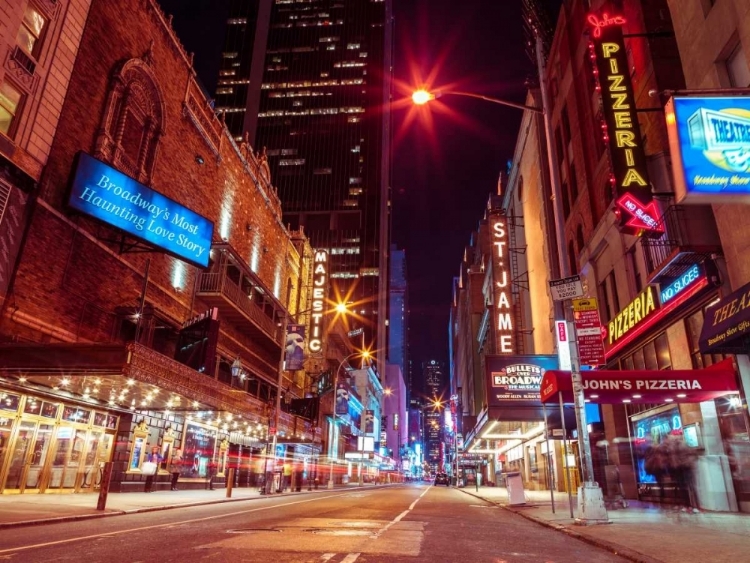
[70,275]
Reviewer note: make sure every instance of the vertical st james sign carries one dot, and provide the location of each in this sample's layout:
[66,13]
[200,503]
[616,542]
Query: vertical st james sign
[622,134]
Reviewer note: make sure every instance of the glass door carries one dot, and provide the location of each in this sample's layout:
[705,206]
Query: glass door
[27,454]
[38,457]
[97,453]
[68,456]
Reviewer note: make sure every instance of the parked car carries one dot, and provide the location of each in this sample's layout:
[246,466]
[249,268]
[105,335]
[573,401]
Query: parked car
[442,479]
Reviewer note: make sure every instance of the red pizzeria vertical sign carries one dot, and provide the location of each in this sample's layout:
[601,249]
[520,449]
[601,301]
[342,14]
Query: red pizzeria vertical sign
[621,131]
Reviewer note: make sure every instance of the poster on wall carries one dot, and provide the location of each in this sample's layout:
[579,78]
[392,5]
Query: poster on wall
[199,445]
[709,138]
[294,356]
[342,398]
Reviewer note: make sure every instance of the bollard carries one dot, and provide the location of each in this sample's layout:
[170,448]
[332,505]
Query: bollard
[230,482]
[101,504]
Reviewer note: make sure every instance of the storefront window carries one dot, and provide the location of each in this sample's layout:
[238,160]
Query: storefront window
[649,433]
[649,356]
[198,449]
[9,401]
[638,361]
[74,414]
[693,325]
[663,355]
[105,420]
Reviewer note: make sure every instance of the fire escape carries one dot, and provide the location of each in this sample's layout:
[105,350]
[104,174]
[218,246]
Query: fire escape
[519,282]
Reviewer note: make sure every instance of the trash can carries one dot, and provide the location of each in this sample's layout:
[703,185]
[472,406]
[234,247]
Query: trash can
[514,483]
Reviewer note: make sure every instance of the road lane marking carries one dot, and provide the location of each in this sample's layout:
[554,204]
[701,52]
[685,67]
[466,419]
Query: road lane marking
[326,556]
[156,526]
[351,558]
[400,516]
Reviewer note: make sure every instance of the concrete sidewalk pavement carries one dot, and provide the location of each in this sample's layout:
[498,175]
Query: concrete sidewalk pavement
[35,509]
[641,532]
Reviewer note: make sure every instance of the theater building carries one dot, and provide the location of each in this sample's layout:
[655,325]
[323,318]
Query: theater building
[152,290]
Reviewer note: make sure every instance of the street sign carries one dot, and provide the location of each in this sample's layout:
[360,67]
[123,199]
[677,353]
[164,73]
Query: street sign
[566,288]
[272,431]
[588,328]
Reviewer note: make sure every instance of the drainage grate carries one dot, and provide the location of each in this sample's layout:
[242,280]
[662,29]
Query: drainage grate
[252,530]
[333,532]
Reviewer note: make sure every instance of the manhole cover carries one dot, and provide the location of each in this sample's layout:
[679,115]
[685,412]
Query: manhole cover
[331,532]
[251,530]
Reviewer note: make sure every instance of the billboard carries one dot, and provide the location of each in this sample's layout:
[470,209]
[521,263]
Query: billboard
[294,356]
[513,381]
[709,138]
[108,195]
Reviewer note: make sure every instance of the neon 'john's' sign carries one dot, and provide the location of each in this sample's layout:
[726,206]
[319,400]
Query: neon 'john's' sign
[606,21]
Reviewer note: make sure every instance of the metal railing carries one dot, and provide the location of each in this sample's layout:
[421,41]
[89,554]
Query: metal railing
[218,283]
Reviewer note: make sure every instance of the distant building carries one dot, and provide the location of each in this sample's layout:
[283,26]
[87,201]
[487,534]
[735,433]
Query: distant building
[398,316]
[308,87]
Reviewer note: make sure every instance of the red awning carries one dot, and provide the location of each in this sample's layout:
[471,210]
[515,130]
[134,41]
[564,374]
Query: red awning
[644,386]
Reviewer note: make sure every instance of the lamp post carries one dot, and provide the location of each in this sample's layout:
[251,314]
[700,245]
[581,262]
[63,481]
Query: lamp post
[365,354]
[591,509]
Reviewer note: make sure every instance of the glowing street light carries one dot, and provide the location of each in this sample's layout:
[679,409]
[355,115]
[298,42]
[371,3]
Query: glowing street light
[421,97]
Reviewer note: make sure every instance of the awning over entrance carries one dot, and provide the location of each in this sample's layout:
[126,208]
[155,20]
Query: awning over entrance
[644,386]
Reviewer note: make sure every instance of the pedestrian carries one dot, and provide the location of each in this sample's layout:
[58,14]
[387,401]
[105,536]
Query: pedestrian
[150,467]
[287,475]
[681,462]
[211,474]
[175,466]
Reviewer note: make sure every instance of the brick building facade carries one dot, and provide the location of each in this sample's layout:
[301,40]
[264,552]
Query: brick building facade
[106,324]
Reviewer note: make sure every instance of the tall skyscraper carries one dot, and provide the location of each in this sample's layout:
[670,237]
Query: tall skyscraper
[434,380]
[398,315]
[309,82]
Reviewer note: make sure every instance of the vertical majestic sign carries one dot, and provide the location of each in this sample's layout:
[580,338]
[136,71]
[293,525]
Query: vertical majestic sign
[319,295]
[501,285]
[623,134]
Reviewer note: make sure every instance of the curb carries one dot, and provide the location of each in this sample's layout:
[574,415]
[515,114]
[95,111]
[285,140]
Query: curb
[80,517]
[612,547]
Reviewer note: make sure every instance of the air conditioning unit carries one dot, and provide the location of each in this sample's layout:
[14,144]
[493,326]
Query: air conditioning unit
[23,60]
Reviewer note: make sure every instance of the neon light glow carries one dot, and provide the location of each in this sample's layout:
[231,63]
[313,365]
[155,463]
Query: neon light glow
[501,287]
[606,21]
[319,294]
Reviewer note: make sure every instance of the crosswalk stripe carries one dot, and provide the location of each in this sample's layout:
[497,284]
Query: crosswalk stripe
[351,558]
[326,556]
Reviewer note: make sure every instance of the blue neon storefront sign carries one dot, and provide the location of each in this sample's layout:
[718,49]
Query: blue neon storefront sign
[709,138]
[685,281]
[106,194]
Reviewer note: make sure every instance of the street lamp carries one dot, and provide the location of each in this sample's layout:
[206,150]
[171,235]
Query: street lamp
[590,502]
[341,308]
[364,355]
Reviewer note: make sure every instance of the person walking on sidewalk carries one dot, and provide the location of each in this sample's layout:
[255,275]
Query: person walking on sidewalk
[153,460]
[287,476]
[175,466]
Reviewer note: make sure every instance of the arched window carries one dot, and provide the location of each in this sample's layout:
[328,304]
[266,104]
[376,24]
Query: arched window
[572,258]
[133,120]
[579,239]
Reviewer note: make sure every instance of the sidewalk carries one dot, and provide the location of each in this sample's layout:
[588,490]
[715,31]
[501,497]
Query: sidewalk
[34,509]
[642,532]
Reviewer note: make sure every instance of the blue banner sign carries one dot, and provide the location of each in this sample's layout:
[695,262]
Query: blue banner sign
[110,196]
[709,138]
[679,285]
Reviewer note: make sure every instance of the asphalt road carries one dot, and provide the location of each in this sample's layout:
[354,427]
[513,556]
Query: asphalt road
[411,523]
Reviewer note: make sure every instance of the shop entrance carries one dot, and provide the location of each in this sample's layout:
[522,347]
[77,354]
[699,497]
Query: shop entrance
[45,458]
[48,447]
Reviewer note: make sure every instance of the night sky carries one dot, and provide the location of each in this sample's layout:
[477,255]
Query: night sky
[446,155]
